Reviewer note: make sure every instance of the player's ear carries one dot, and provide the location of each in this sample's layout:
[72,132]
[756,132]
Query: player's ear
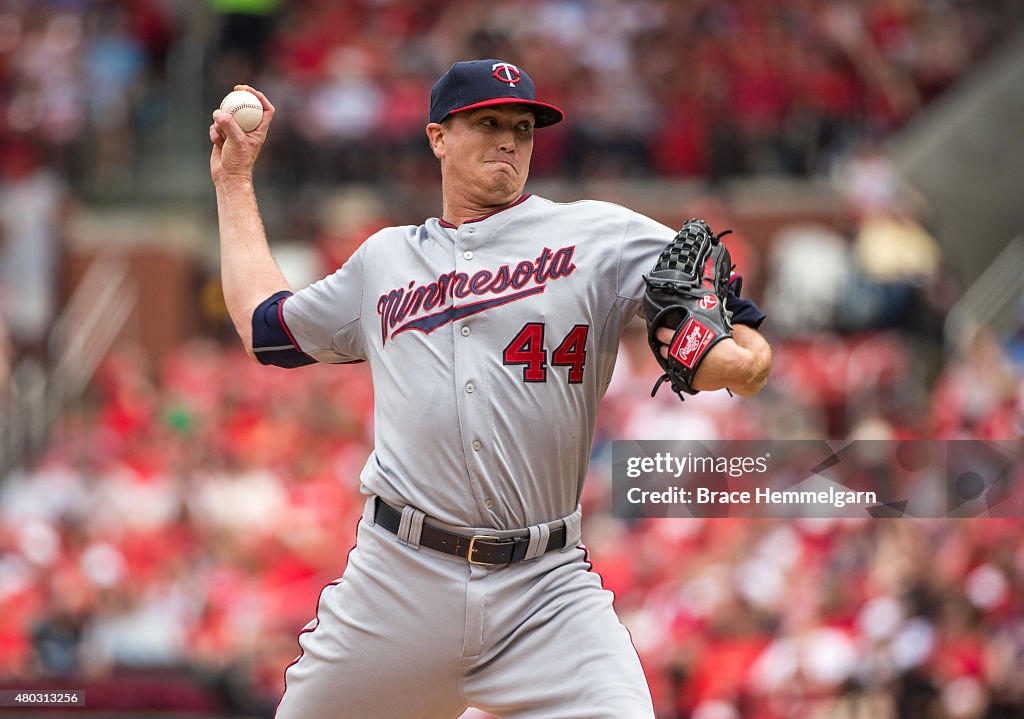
[435,135]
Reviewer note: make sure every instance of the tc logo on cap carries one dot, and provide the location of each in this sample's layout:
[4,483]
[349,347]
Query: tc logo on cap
[506,72]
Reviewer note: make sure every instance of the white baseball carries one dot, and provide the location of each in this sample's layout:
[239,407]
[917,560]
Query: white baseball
[246,107]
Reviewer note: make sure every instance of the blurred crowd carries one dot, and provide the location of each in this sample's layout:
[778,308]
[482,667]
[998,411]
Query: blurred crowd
[822,619]
[187,517]
[653,87]
[81,79]
[188,513]
[711,87]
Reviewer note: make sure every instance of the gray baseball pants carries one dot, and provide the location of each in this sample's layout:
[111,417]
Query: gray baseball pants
[411,633]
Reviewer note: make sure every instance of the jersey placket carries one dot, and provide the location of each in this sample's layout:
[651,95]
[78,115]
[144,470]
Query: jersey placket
[471,394]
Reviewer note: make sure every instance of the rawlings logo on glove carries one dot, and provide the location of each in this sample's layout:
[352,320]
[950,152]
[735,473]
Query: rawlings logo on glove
[686,292]
[697,339]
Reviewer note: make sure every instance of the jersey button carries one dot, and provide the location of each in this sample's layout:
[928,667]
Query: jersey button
[489,503]
[465,331]
[477,445]
[470,388]
[468,255]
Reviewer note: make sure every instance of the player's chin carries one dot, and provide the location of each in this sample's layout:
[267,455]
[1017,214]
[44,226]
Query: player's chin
[504,185]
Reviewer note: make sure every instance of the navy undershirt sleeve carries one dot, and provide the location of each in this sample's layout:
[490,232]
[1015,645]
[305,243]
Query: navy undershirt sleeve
[272,343]
[744,311]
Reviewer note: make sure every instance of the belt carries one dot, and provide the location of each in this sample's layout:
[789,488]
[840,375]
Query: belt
[476,549]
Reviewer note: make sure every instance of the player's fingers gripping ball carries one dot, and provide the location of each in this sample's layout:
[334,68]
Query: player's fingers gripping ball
[246,107]
[686,292]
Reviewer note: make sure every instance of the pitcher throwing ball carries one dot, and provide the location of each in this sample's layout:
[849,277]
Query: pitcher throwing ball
[491,332]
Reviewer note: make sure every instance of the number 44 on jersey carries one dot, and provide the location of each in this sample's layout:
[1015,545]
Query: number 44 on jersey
[527,348]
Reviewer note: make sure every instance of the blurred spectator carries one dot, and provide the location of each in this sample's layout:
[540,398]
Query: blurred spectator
[868,181]
[115,66]
[979,394]
[346,220]
[897,261]
[246,27]
[892,247]
[1015,336]
[33,204]
[811,270]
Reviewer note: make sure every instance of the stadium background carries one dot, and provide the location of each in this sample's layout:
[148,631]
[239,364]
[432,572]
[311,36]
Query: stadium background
[169,510]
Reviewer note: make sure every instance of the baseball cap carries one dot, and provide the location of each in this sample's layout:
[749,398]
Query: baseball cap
[482,83]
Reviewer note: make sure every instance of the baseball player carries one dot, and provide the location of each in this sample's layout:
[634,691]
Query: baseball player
[491,332]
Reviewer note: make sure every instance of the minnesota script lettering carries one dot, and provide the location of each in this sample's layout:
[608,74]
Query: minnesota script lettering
[402,308]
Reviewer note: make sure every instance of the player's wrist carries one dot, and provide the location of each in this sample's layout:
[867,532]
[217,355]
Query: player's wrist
[233,180]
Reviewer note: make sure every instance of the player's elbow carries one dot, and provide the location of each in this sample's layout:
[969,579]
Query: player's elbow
[244,331]
[250,352]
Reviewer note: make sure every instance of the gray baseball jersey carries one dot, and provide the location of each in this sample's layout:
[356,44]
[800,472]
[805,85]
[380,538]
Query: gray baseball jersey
[490,346]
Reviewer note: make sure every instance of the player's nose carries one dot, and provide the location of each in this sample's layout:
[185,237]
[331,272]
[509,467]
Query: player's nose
[507,140]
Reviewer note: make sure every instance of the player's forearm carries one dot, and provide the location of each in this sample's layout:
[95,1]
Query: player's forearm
[249,273]
[741,364]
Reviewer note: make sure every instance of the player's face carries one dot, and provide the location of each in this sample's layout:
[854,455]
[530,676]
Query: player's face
[486,153]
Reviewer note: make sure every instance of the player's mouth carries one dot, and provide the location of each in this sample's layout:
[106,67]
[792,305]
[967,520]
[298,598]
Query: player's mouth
[503,162]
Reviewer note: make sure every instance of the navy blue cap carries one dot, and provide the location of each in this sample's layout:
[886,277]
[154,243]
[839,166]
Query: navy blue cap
[482,83]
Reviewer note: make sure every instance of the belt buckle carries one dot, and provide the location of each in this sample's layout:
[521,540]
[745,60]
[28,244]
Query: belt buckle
[472,548]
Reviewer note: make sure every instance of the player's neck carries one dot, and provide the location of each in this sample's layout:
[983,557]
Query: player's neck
[457,212]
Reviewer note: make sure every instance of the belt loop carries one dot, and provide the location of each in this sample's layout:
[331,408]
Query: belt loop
[370,510]
[411,526]
[572,528]
[539,534]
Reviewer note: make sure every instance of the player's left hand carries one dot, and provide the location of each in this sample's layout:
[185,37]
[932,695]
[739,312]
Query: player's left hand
[719,355]
[234,150]
[686,293]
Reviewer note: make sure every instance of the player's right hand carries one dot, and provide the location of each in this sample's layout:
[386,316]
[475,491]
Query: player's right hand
[234,150]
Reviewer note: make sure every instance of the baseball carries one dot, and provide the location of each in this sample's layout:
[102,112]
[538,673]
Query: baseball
[246,107]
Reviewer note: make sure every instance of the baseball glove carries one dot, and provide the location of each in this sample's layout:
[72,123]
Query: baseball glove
[686,292]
